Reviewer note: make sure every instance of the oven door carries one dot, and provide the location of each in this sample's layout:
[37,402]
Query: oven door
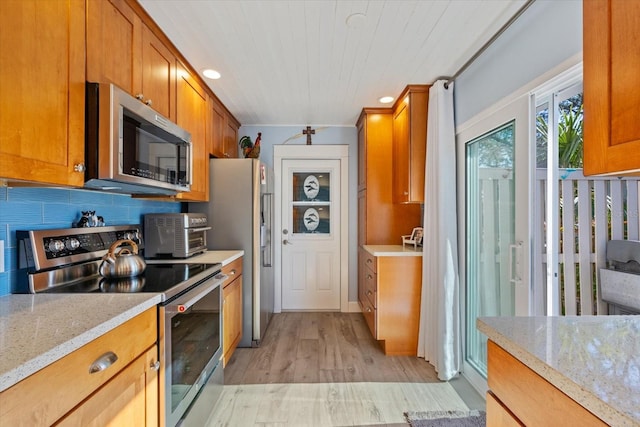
[191,345]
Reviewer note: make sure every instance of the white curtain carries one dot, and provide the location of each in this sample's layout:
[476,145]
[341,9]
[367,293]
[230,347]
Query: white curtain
[439,336]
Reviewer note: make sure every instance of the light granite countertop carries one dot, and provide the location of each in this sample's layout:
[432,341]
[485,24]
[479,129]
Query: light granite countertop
[392,250]
[37,330]
[595,360]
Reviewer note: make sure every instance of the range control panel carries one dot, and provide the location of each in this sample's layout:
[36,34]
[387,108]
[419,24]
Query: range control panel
[62,246]
[46,249]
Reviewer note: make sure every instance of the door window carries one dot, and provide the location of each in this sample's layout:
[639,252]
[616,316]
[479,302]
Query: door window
[311,206]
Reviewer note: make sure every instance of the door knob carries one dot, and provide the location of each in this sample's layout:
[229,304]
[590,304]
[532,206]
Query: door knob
[286,242]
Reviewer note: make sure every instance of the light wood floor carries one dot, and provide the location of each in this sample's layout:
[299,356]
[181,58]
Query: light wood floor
[325,369]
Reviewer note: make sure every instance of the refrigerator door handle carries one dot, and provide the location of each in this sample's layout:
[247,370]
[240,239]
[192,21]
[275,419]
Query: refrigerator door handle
[265,229]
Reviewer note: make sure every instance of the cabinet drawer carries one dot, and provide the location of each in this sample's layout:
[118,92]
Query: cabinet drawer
[371,286]
[56,389]
[370,261]
[233,270]
[369,313]
[498,415]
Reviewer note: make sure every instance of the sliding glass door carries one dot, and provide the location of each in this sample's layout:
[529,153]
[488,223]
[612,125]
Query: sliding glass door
[496,224]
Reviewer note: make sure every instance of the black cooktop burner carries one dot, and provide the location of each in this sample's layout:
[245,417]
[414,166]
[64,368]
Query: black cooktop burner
[168,279]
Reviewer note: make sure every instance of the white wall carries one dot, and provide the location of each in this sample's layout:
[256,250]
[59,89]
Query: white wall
[277,135]
[547,34]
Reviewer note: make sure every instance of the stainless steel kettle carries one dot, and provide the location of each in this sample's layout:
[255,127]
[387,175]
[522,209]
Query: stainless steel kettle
[123,263]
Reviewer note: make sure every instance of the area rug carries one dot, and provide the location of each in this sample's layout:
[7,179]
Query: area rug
[471,418]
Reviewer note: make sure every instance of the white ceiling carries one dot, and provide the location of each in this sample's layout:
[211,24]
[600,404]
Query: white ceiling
[299,63]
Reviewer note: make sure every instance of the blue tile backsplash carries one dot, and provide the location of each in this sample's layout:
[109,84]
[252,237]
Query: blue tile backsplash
[26,208]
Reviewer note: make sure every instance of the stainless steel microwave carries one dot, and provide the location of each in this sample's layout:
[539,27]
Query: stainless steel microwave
[130,148]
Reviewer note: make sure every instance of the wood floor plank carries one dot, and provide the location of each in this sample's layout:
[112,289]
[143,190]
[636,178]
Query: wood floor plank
[306,364]
[329,348]
[309,326]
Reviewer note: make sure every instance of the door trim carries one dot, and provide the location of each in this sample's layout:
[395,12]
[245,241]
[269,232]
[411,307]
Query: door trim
[312,152]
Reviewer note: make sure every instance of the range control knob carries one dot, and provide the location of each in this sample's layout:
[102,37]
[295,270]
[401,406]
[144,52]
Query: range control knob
[72,244]
[55,246]
[130,235]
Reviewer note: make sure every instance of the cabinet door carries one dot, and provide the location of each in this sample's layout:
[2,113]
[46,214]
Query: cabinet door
[192,116]
[409,145]
[128,399]
[42,82]
[611,86]
[217,128]
[158,75]
[231,138]
[113,44]
[231,318]
[401,153]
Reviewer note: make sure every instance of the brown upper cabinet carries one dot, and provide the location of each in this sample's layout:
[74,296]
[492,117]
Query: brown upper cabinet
[123,50]
[410,144]
[611,87]
[192,116]
[42,128]
[223,141]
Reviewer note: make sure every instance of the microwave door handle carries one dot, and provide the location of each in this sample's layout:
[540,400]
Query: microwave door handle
[183,303]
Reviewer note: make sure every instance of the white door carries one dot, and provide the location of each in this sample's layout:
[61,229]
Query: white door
[311,234]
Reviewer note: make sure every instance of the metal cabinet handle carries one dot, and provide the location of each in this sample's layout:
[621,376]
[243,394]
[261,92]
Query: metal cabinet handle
[369,261]
[369,293]
[155,366]
[139,96]
[149,102]
[232,272]
[369,276]
[103,362]
[79,167]
[368,309]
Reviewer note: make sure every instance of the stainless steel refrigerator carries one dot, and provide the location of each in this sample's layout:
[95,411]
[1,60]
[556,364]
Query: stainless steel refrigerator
[240,212]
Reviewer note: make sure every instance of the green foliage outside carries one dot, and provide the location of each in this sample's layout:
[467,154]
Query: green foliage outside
[569,134]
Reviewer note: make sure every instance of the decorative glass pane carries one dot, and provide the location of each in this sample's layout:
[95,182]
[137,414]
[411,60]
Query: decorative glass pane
[311,187]
[311,219]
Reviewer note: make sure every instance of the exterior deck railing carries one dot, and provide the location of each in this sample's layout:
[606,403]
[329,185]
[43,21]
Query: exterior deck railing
[592,210]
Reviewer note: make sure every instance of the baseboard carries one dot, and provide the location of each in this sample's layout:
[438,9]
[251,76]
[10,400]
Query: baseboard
[354,307]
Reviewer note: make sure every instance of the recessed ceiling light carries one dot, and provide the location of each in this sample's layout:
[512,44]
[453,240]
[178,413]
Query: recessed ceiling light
[211,74]
[386,99]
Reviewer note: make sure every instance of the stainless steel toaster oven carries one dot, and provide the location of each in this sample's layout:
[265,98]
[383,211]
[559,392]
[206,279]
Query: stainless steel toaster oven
[175,235]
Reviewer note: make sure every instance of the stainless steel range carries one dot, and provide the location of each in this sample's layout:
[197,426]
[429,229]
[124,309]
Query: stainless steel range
[189,317]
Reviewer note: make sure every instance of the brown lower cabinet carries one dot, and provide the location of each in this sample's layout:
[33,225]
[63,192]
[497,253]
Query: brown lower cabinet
[231,309]
[519,396]
[66,393]
[390,300]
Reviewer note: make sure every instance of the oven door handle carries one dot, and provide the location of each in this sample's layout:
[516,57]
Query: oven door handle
[195,230]
[184,303]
